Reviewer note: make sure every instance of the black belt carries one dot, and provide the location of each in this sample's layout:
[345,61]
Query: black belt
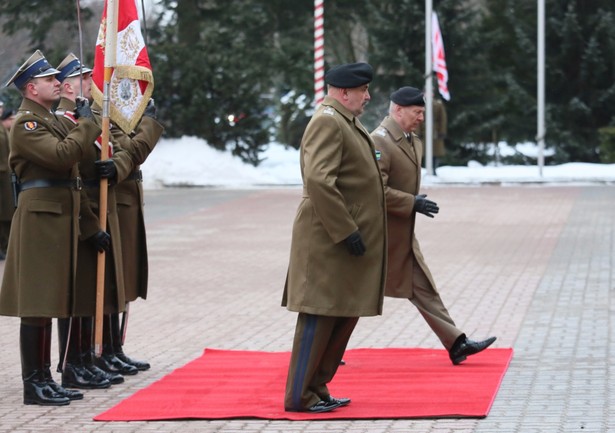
[92,183]
[95,183]
[136,175]
[75,184]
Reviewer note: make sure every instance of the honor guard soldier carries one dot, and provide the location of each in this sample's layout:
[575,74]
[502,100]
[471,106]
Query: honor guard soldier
[82,369]
[129,193]
[75,335]
[40,272]
[399,155]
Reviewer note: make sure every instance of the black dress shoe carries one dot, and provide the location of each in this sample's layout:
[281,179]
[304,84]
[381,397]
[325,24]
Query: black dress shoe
[343,401]
[324,406]
[139,365]
[114,378]
[464,347]
[77,376]
[112,364]
[71,394]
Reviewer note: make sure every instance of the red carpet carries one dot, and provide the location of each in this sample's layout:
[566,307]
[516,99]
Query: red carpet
[382,383]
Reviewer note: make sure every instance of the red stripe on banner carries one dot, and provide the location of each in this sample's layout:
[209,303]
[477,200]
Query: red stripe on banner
[438,58]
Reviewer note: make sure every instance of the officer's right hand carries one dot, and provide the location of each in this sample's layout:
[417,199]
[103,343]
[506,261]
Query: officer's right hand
[150,110]
[424,206]
[355,244]
[101,241]
[83,109]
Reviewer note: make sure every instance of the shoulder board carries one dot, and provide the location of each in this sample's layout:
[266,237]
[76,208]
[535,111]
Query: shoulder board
[330,111]
[381,132]
[67,115]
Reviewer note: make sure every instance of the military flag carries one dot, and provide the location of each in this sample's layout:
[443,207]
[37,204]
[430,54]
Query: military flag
[132,80]
[438,59]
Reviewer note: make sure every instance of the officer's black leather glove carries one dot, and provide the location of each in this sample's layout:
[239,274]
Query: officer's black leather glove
[150,110]
[424,206]
[83,109]
[101,241]
[355,244]
[106,169]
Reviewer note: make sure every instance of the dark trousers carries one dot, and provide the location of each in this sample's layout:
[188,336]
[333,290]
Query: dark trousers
[318,348]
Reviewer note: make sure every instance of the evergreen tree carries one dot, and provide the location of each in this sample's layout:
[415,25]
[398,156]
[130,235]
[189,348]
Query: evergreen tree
[212,77]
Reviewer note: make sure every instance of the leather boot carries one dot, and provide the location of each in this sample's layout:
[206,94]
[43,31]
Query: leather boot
[74,373]
[108,361]
[117,345]
[87,355]
[71,394]
[36,389]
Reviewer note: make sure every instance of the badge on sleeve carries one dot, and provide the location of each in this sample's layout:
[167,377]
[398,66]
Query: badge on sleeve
[30,126]
[377,155]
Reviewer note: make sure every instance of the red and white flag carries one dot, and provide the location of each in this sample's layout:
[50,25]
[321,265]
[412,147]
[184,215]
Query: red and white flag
[132,79]
[438,60]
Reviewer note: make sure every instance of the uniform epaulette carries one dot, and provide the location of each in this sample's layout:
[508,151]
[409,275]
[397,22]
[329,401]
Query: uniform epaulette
[67,115]
[381,132]
[330,111]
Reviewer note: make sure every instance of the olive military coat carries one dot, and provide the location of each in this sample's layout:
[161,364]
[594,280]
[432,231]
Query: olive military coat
[400,164]
[342,193]
[84,303]
[129,194]
[39,274]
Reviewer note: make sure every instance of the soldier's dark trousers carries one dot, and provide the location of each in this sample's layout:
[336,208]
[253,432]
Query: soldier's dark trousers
[318,347]
[34,341]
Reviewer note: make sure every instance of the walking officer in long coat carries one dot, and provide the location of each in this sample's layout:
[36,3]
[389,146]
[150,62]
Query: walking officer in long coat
[338,251]
[40,271]
[399,153]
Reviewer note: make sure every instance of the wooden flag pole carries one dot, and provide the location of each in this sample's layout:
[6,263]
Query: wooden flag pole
[110,61]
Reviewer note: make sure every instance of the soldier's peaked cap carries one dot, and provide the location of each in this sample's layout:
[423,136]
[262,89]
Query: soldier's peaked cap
[349,75]
[406,96]
[71,67]
[36,66]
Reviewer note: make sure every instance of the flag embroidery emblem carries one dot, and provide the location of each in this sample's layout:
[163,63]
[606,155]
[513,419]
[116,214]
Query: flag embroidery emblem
[30,126]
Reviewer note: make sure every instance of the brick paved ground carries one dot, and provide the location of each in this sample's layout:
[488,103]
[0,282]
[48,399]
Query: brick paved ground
[529,264]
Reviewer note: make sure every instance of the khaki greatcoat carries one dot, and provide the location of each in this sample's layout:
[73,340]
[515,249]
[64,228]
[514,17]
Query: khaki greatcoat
[400,165]
[129,194]
[39,274]
[342,192]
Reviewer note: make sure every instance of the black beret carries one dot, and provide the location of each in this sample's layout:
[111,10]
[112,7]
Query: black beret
[349,75]
[408,96]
